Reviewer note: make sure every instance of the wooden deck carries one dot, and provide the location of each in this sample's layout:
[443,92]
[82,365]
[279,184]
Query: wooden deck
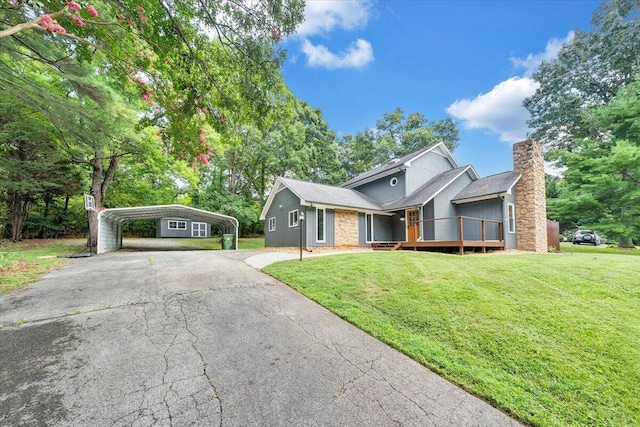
[483,244]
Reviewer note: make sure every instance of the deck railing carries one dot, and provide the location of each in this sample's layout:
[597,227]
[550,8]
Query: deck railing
[430,234]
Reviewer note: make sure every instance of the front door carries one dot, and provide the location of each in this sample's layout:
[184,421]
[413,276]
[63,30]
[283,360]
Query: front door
[198,229]
[413,225]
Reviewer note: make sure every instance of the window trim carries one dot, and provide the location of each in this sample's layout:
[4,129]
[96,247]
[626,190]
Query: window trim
[511,218]
[177,225]
[198,226]
[368,233]
[294,224]
[272,223]
[324,225]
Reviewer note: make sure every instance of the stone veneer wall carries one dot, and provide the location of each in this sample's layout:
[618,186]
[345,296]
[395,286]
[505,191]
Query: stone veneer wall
[346,226]
[531,204]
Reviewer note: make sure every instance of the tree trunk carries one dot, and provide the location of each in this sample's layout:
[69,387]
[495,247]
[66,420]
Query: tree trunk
[20,209]
[625,242]
[48,198]
[100,180]
[17,217]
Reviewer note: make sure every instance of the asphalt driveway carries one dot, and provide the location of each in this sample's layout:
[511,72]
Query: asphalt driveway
[200,338]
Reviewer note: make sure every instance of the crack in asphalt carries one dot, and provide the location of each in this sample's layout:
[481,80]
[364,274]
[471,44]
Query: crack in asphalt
[205,372]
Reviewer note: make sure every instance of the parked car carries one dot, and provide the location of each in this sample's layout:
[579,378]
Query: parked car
[586,236]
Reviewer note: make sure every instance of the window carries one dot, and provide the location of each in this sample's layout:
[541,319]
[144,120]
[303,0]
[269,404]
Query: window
[293,218]
[177,225]
[198,229]
[320,225]
[272,223]
[369,228]
[394,181]
[511,218]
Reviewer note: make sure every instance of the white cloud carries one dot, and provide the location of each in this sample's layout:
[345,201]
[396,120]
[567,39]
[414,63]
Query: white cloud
[499,110]
[533,61]
[358,55]
[324,16]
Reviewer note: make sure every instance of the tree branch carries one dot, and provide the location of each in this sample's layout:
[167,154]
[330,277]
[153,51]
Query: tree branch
[34,23]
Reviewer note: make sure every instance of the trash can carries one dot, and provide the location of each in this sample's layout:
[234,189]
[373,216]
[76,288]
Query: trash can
[227,241]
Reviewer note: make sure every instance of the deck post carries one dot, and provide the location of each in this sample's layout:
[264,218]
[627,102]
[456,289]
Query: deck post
[461,234]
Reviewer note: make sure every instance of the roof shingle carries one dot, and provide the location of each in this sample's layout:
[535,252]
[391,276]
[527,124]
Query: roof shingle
[329,195]
[489,185]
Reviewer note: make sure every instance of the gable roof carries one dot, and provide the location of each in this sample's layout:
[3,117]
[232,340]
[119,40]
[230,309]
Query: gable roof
[430,189]
[396,165]
[488,187]
[321,194]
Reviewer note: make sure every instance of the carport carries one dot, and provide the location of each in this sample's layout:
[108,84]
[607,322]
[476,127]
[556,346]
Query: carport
[110,222]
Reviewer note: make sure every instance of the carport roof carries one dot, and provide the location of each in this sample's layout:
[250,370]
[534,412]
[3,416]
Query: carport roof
[166,211]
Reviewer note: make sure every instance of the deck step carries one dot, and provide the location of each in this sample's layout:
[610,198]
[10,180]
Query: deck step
[385,246]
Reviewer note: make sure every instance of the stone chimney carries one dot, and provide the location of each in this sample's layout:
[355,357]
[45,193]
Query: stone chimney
[531,203]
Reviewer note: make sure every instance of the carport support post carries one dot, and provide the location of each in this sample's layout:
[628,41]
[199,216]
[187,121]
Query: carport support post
[301,226]
[90,234]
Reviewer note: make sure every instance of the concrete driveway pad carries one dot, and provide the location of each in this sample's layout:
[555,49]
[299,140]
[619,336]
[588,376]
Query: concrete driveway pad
[201,338]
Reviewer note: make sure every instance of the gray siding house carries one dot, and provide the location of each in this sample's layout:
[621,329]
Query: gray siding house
[425,199]
[182,227]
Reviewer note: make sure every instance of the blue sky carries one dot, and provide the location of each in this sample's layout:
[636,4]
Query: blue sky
[473,60]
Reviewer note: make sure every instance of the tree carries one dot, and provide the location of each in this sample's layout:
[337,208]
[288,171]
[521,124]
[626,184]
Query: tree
[577,111]
[298,144]
[588,71]
[398,135]
[304,147]
[601,186]
[32,167]
[211,64]
[212,60]
[395,135]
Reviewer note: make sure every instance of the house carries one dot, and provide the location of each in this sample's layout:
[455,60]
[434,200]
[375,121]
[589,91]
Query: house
[182,227]
[422,200]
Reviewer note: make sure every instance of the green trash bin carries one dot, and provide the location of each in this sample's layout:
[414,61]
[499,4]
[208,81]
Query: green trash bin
[227,241]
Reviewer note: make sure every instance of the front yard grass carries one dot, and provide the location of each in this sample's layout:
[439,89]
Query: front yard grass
[215,243]
[26,262]
[552,339]
[601,249]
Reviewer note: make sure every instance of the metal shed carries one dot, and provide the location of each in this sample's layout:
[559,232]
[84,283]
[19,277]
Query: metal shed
[110,222]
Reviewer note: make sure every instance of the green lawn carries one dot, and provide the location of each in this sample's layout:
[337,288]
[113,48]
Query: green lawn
[602,249]
[216,243]
[552,339]
[26,262]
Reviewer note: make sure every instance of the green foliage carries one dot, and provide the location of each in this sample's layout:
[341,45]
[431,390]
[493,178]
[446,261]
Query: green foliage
[212,61]
[396,135]
[601,185]
[588,71]
[237,179]
[33,168]
[222,201]
[524,332]
[585,113]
